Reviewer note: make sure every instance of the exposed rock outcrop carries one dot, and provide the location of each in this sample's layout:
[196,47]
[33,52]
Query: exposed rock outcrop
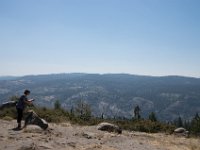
[104,126]
[8,104]
[33,119]
[66,136]
[181,131]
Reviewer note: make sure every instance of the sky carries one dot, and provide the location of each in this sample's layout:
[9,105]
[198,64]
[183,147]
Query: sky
[143,37]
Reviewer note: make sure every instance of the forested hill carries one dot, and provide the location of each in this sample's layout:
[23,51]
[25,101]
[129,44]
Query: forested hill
[114,94]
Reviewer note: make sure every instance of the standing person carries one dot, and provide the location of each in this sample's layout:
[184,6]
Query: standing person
[21,104]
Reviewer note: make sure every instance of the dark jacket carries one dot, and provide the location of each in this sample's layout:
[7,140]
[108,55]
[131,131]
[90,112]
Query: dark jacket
[21,103]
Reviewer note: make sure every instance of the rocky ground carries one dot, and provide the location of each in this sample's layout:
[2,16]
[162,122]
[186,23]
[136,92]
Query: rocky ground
[65,136]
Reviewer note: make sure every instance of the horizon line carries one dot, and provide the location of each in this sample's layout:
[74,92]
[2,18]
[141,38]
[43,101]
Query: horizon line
[106,73]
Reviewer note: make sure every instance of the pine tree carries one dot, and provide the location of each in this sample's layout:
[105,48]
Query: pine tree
[83,110]
[187,125]
[152,117]
[179,122]
[137,112]
[57,105]
[195,124]
[72,110]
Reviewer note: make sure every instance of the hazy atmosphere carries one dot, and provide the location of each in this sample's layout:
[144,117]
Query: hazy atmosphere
[148,37]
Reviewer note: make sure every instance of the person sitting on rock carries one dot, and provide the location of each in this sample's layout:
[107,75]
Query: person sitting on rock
[20,106]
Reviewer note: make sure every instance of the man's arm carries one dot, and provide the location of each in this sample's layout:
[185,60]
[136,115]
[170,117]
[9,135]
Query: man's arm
[29,102]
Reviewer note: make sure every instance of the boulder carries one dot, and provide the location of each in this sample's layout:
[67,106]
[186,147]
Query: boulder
[88,135]
[8,104]
[181,132]
[33,119]
[104,126]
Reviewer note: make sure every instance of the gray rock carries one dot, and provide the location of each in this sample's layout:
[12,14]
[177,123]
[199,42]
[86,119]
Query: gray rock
[181,132]
[89,135]
[8,104]
[27,146]
[104,126]
[33,119]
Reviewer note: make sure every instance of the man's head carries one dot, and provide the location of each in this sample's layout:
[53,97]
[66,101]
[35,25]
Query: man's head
[27,92]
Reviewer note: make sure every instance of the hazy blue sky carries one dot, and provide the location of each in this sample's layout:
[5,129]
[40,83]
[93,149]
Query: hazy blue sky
[147,37]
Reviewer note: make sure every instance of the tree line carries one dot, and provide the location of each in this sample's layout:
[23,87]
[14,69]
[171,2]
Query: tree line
[81,113]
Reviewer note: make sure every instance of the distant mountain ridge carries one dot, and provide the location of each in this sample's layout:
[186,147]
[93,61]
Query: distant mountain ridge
[7,77]
[114,94]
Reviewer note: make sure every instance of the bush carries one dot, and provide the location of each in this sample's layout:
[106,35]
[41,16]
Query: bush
[60,115]
[52,115]
[8,118]
[144,126]
[9,112]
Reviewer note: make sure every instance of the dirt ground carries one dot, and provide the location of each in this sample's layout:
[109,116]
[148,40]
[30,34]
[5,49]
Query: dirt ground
[65,136]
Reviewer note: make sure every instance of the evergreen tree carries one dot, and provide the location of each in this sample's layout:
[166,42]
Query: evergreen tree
[57,104]
[152,117]
[179,122]
[137,112]
[196,117]
[72,110]
[195,124]
[83,110]
[187,125]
